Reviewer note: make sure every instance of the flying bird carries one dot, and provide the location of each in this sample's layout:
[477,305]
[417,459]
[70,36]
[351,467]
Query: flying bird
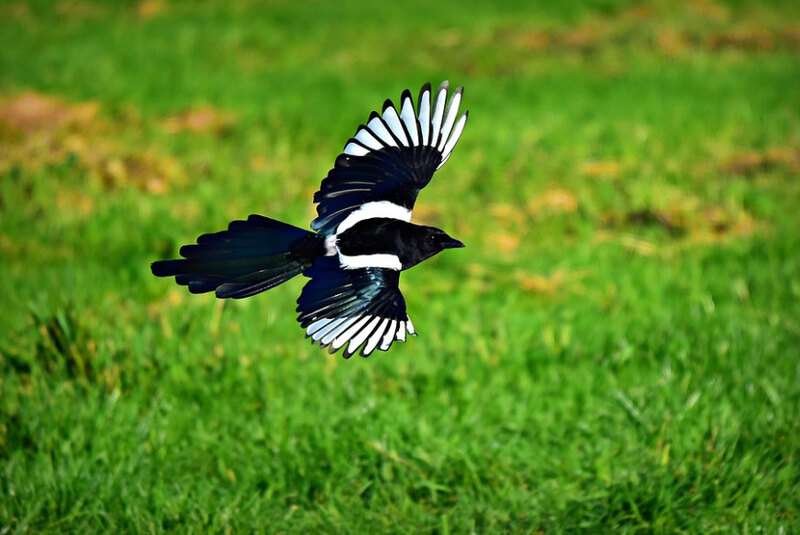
[362,236]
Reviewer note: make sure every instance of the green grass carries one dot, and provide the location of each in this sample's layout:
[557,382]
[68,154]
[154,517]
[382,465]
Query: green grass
[617,349]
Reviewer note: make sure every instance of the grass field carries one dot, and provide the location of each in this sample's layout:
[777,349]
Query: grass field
[617,348]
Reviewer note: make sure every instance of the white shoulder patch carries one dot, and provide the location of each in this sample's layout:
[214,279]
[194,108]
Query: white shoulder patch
[371,210]
[388,261]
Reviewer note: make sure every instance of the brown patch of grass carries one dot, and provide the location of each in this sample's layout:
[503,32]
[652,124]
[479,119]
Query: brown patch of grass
[15,10]
[715,224]
[640,26]
[585,37]
[40,130]
[531,41]
[671,221]
[709,10]
[504,242]
[541,284]
[148,9]
[553,201]
[200,120]
[749,39]
[672,42]
[749,163]
[688,223]
[147,171]
[31,112]
[547,285]
[507,214]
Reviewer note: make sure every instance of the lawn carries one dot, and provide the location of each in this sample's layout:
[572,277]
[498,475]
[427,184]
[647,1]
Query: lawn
[616,349]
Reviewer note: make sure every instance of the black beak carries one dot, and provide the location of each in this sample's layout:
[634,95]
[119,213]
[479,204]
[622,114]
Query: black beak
[452,243]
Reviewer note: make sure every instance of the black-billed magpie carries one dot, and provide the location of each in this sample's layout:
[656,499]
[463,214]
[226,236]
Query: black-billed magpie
[363,236]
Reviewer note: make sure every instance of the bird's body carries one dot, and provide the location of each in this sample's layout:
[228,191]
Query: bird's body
[392,243]
[363,233]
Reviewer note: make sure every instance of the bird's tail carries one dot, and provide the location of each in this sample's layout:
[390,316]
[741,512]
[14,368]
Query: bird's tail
[248,258]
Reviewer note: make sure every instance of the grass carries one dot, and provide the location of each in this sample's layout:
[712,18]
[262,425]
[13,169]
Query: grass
[615,350]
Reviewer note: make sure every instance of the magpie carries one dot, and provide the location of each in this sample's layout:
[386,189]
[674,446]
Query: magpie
[362,236]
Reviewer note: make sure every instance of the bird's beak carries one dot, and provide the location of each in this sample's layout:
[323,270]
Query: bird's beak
[452,243]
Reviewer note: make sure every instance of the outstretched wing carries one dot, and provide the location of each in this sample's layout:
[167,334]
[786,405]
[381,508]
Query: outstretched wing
[389,160]
[353,308]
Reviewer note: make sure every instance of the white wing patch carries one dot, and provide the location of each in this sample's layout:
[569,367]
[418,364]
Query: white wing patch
[368,332]
[437,125]
[368,139]
[355,149]
[425,114]
[374,209]
[407,115]
[452,110]
[382,260]
[388,338]
[377,127]
[393,121]
[438,111]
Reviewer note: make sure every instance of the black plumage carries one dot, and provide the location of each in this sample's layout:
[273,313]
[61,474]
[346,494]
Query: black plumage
[362,235]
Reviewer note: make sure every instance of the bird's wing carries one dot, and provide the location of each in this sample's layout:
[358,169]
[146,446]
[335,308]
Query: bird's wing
[390,159]
[353,308]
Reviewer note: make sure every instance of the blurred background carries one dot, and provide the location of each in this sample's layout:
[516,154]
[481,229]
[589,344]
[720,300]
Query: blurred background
[615,349]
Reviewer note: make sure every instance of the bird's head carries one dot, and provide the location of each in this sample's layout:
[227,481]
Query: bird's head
[432,241]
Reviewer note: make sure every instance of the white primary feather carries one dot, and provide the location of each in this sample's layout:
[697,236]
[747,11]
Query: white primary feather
[376,126]
[340,340]
[425,115]
[328,327]
[393,122]
[452,110]
[317,325]
[331,328]
[355,149]
[438,112]
[366,138]
[338,329]
[362,335]
[407,115]
[389,336]
[375,337]
[401,331]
